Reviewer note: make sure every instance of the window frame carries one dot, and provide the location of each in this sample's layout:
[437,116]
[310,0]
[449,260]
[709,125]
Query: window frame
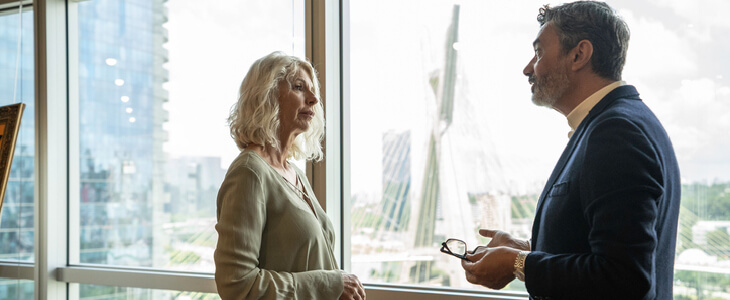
[56,277]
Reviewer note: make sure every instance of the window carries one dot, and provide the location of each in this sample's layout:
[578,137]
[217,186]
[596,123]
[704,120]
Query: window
[115,292]
[439,135]
[17,243]
[435,155]
[156,80]
[445,139]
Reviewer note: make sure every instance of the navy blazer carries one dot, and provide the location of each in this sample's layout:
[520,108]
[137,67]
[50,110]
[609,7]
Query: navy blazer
[606,223]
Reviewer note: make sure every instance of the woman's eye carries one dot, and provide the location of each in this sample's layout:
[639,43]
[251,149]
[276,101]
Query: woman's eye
[298,87]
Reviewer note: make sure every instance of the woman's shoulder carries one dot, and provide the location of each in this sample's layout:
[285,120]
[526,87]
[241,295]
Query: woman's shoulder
[248,161]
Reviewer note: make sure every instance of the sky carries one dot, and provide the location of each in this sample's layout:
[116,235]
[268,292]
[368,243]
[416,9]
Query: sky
[211,47]
[677,60]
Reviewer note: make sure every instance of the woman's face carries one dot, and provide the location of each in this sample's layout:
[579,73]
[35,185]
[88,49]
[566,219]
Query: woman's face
[296,104]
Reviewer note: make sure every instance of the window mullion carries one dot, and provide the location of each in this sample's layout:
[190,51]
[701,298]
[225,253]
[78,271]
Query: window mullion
[323,49]
[51,152]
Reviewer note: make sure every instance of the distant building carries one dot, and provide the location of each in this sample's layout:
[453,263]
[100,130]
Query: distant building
[192,183]
[16,236]
[396,180]
[120,77]
[494,210]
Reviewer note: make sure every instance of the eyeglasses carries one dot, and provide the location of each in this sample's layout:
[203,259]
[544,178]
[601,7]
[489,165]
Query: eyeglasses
[456,248]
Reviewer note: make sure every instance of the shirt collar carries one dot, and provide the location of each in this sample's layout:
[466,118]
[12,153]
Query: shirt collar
[579,113]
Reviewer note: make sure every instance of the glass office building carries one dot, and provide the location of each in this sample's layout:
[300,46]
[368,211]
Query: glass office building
[121,73]
[125,209]
[17,85]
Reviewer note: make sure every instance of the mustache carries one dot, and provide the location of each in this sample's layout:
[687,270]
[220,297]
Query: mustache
[531,79]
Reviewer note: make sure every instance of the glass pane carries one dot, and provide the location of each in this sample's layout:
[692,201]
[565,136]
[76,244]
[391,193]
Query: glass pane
[17,85]
[16,289]
[99,292]
[156,82]
[452,142]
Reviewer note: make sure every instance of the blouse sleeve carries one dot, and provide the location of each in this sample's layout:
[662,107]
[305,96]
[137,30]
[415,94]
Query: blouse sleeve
[241,220]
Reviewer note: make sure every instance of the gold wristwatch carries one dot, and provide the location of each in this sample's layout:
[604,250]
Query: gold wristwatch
[520,265]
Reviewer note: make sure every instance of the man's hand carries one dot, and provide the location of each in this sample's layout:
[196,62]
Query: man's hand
[490,267]
[501,238]
[353,288]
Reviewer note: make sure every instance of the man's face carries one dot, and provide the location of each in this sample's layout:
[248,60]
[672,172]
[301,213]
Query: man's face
[547,72]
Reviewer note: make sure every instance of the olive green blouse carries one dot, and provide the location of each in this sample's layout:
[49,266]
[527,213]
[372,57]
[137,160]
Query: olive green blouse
[270,243]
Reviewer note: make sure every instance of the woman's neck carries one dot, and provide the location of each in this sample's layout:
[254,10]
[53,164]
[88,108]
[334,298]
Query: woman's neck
[271,155]
[277,157]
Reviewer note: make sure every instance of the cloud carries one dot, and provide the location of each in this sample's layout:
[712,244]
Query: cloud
[699,12]
[697,118]
[656,51]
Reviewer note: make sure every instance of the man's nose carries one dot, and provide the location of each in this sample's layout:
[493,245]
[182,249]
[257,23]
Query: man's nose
[528,70]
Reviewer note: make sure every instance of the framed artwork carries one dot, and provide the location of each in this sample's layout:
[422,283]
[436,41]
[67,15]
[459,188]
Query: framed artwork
[10,116]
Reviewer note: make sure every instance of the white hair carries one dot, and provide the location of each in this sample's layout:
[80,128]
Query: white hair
[254,119]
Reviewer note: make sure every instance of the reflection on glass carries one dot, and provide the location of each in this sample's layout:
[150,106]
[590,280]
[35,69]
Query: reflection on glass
[16,289]
[445,139]
[156,81]
[117,292]
[16,221]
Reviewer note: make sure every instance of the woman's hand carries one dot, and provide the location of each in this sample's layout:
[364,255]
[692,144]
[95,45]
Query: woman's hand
[353,288]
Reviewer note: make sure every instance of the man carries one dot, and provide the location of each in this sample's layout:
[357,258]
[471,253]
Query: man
[606,223]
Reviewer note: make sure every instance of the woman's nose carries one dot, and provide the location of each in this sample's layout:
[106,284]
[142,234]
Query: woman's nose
[312,99]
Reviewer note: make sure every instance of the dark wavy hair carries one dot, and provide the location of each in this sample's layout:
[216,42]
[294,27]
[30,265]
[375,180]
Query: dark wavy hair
[596,22]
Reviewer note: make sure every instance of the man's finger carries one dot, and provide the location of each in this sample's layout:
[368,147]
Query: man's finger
[467,264]
[487,232]
[477,255]
[471,278]
[361,292]
[478,249]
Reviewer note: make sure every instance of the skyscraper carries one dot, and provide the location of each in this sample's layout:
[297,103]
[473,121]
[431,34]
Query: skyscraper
[120,68]
[17,78]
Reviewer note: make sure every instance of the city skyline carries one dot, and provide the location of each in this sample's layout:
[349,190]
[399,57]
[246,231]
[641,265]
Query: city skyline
[495,156]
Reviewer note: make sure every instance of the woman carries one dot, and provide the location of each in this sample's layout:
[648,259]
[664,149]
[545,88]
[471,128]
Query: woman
[274,239]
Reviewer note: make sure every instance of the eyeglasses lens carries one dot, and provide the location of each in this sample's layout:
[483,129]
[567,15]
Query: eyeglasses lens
[456,246]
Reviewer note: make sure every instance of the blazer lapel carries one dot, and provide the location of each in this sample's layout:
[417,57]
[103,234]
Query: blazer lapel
[625,91]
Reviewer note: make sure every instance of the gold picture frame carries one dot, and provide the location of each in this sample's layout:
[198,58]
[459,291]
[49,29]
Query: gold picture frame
[10,116]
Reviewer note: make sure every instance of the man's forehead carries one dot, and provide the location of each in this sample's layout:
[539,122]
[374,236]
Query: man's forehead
[543,34]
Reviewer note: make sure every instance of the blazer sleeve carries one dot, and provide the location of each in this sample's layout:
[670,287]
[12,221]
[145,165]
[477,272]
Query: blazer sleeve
[620,185]
[241,222]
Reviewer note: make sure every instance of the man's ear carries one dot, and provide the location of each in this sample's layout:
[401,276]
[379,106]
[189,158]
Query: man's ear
[581,55]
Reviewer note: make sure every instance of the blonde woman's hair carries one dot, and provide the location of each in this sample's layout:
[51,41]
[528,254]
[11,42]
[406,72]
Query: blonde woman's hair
[254,119]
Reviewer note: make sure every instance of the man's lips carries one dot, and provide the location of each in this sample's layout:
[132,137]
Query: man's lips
[531,80]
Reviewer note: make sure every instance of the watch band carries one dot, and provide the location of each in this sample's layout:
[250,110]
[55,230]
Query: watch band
[520,265]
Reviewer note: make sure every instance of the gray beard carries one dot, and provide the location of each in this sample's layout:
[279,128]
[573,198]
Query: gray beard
[550,88]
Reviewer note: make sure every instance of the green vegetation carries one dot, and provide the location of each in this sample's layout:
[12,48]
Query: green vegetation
[710,202]
[703,202]
[178,257]
[523,207]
